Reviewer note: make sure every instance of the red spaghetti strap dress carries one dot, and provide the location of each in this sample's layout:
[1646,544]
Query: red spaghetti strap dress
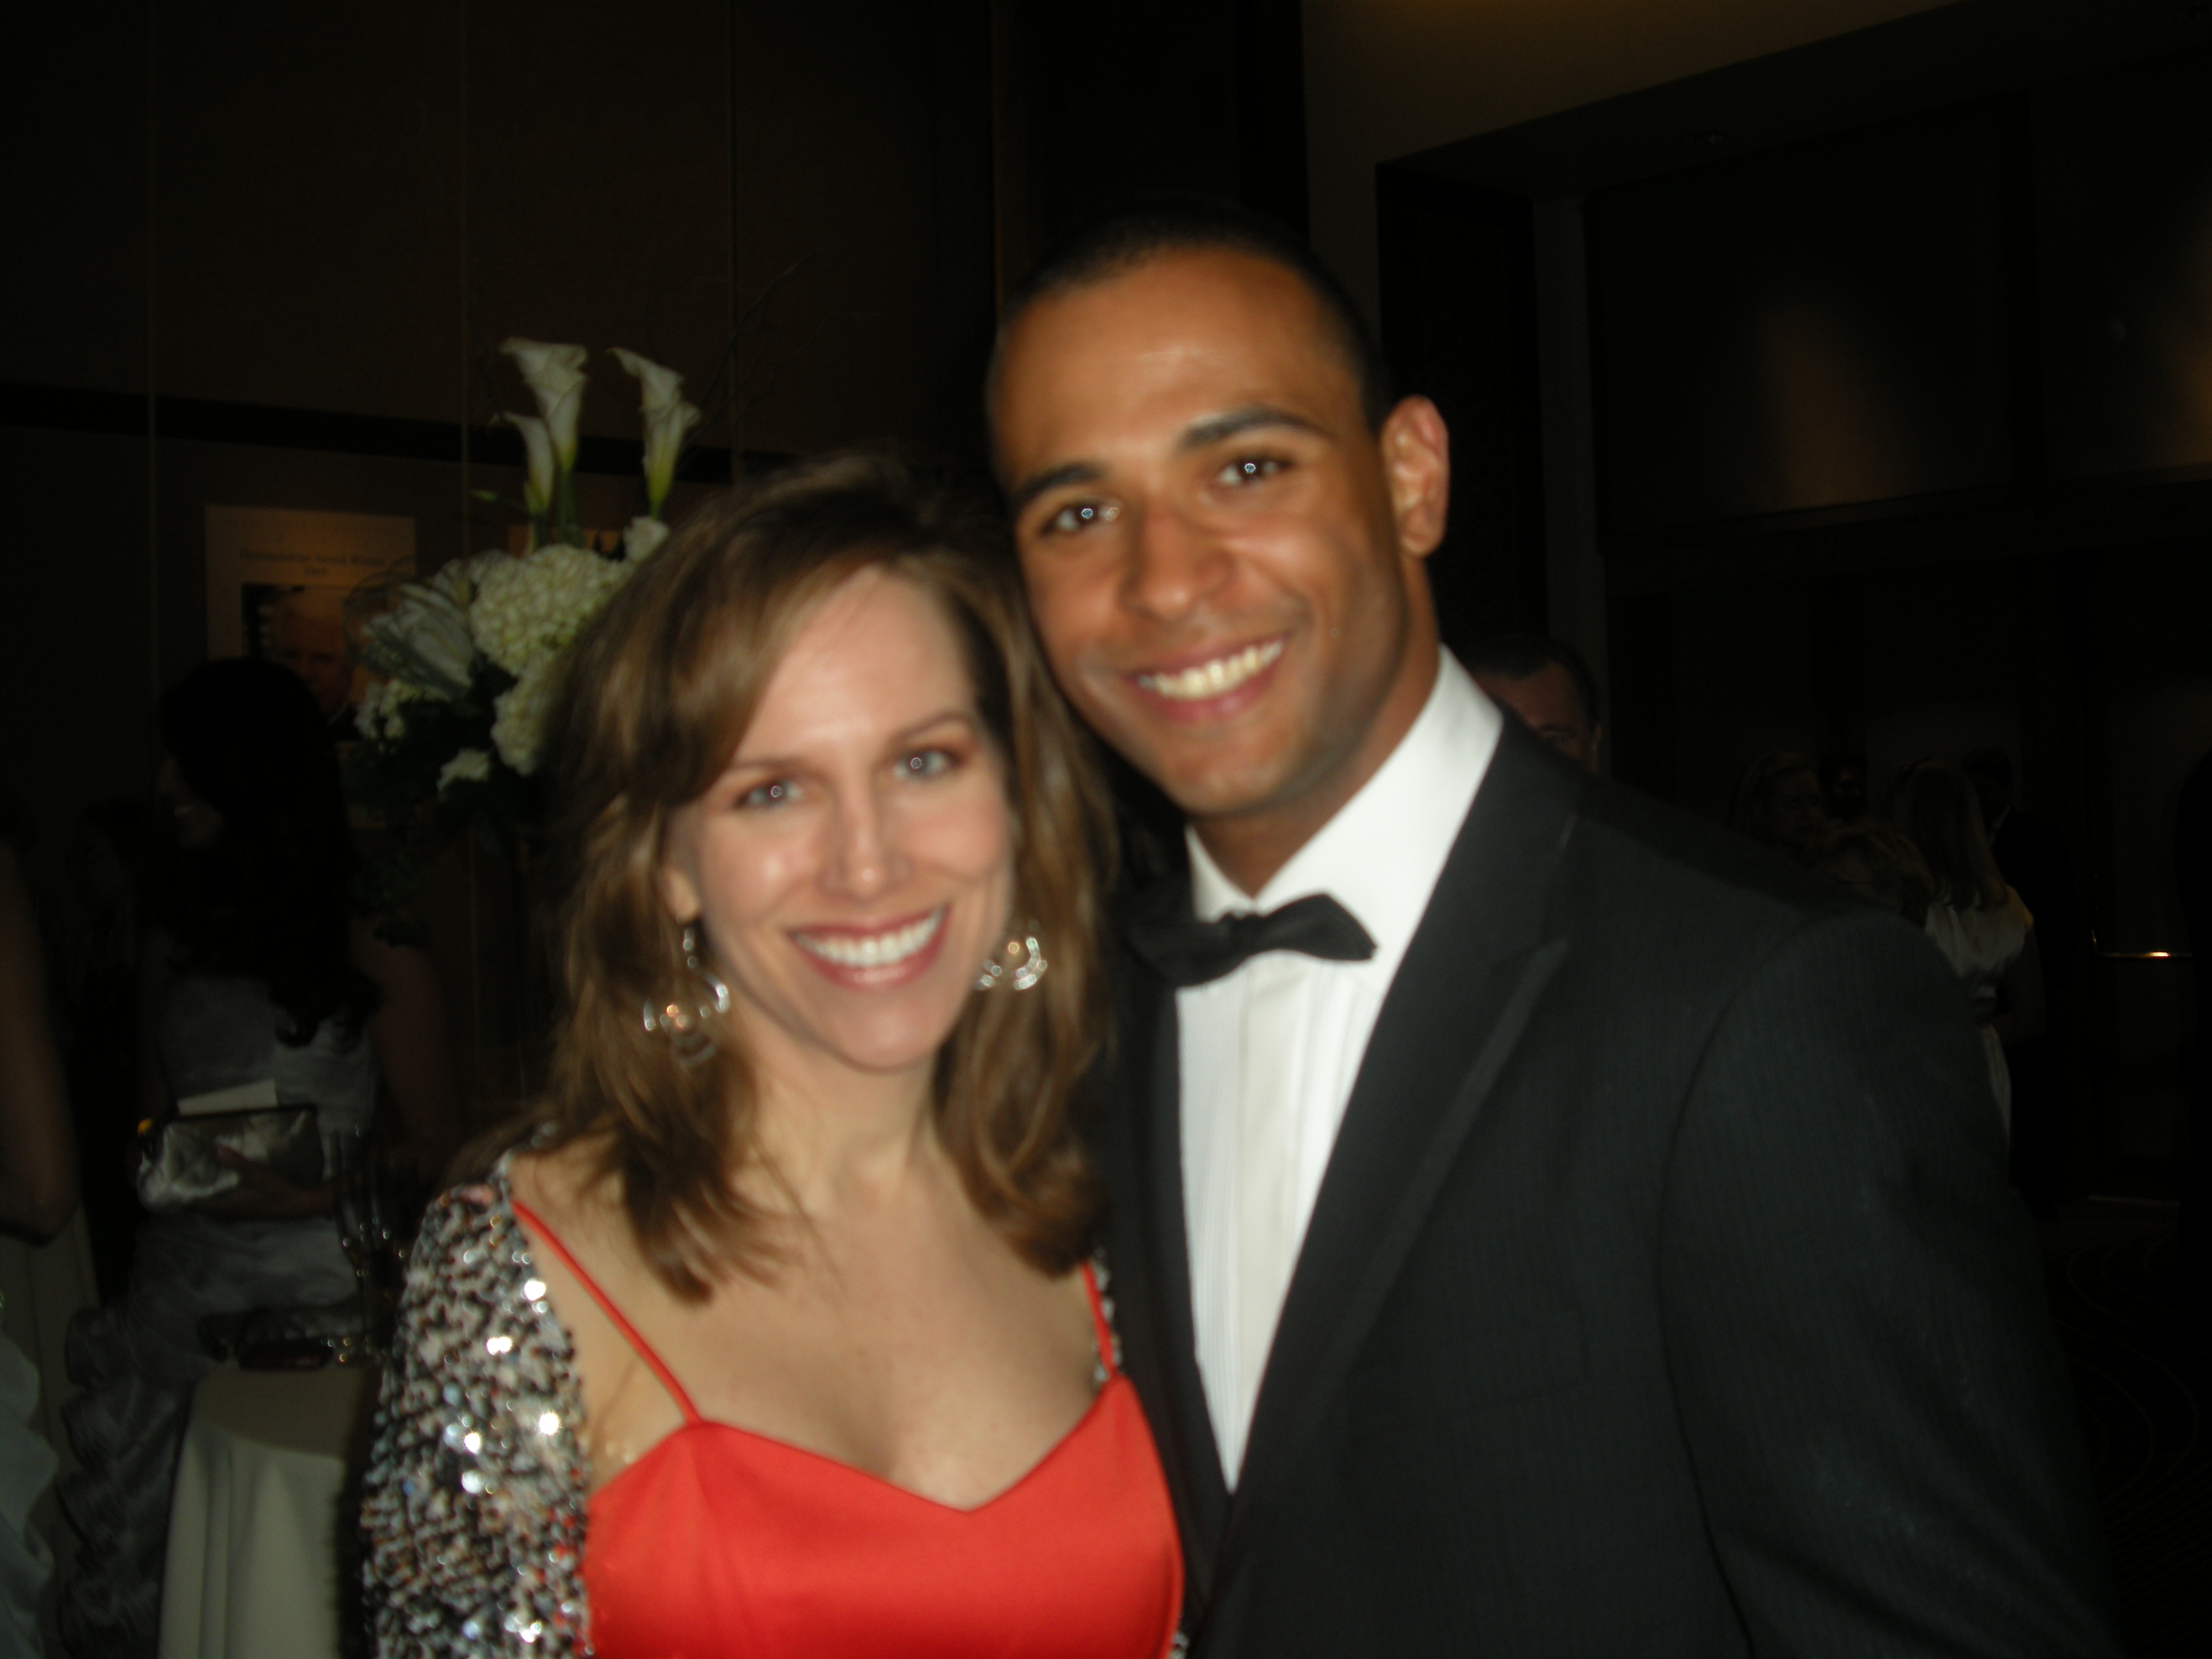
[719,1542]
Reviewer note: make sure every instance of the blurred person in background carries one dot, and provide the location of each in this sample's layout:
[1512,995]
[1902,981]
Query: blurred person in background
[1878,862]
[1777,803]
[99,1025]
[38,1193]
[306,633]
[1546,681]
[2033,858]
[256,968]
[1844,786]
[1984,930]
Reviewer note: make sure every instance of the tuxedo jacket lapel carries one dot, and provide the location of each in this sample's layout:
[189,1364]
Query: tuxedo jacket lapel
[1473,973]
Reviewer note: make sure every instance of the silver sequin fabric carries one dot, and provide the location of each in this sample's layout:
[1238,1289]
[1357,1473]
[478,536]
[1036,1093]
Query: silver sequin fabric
[472,1512]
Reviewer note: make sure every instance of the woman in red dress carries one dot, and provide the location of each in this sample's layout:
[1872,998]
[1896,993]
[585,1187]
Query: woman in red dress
[775,1334]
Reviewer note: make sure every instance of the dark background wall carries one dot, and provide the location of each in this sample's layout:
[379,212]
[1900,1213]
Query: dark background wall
[1902,446]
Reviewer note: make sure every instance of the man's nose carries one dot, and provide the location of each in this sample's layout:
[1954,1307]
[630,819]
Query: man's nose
[1173,565]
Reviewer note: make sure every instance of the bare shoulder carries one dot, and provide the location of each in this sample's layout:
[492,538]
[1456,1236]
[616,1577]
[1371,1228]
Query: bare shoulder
[566,1186]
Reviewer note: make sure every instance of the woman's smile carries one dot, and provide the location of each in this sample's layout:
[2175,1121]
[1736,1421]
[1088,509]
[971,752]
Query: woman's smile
[871,959]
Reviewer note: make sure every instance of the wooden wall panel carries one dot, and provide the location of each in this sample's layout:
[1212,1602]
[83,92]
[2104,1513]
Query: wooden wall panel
[1810,326]
[1458,274]
[599,191]
[2123,223]
[862,144]
[307,218]
[73,198]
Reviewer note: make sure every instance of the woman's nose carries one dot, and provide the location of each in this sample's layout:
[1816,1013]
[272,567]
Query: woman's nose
[867,858]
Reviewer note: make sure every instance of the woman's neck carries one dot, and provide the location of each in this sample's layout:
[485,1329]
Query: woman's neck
[841,1142]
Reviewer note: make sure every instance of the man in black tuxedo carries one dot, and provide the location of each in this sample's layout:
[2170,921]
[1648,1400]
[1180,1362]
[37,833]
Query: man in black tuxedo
[1576,1233]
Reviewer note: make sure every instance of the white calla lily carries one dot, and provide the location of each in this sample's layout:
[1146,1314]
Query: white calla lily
[555,377]
[667,420]
[642,536]
[537,445]
[659,386]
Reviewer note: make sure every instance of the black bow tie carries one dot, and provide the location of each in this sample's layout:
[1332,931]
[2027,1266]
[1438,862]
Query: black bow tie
[1188,951]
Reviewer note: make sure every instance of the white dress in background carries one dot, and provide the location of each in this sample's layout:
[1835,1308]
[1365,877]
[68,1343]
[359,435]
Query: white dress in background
[41,1287]
[27,1463]
[141,1359]
[1981,946]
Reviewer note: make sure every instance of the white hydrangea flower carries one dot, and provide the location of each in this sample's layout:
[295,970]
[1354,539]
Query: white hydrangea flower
[526,610]
[643,536]
[519,730]
[377,716]
[470,766]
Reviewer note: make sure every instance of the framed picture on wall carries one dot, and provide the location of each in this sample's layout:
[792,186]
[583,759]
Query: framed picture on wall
[279,581]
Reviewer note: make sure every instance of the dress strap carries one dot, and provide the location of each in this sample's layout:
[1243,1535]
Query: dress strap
[536,1224]
[1109,1358]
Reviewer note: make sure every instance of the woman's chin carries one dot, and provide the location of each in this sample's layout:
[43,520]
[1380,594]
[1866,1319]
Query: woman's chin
[886,1041]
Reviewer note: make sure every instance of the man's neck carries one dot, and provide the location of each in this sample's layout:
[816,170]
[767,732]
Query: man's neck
[1250,847]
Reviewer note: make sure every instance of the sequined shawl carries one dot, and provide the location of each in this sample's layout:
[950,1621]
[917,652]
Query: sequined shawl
[472,1510]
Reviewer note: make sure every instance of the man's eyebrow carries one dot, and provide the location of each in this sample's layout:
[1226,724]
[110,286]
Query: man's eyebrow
[1214,429]
[1198,434]
[1029,489]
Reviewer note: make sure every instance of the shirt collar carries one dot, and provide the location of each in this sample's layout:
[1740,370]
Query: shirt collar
[1380,854]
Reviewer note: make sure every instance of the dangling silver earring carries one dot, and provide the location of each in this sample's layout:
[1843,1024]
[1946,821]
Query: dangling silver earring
[686,1019]
[1020,963]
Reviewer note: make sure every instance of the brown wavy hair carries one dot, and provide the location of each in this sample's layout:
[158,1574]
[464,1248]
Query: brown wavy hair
[659,691]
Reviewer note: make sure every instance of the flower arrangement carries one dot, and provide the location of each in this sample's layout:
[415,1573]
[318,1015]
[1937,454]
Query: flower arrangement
[452,734]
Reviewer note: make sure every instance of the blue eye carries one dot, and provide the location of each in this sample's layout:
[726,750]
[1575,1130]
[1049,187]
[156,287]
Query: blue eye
[927,764]
[768,794]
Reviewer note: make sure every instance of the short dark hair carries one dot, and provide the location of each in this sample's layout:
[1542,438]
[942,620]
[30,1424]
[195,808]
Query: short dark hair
[1148,227]
[1516,656]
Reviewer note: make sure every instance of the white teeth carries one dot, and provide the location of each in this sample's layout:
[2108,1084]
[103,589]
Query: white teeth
[874,950]
[1212,679]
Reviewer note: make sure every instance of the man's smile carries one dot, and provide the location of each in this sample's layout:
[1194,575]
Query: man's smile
[1215,676]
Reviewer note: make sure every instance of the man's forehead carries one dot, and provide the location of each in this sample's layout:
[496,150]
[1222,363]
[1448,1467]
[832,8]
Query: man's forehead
[1177,297]
[1214,328]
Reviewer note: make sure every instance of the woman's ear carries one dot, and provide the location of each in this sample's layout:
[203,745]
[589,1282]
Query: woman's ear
[678,892]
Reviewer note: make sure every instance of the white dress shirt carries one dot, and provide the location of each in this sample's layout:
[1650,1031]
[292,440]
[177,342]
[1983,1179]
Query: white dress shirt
[1269,1053]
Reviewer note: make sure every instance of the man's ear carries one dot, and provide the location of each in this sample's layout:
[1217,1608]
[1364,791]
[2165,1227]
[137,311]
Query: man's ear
[1416,463]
